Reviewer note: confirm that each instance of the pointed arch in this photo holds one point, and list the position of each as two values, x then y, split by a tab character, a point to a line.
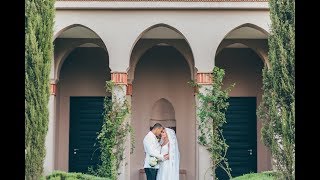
134	59
163	112
259	49
61	54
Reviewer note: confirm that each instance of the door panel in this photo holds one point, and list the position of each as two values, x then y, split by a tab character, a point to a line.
241	136
85	122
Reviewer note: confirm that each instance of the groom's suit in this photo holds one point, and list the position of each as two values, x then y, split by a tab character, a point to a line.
151	148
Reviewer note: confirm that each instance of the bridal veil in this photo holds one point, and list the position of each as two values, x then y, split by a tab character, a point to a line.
174	155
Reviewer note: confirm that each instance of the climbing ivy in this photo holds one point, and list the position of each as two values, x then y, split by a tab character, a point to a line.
114	132
211	117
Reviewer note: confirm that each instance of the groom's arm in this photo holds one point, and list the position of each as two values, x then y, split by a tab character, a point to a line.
151	149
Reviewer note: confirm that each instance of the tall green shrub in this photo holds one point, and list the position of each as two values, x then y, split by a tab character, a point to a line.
212	116
39	22
112	137
277	110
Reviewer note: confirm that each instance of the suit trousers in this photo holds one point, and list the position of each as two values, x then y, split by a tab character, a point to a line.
151	173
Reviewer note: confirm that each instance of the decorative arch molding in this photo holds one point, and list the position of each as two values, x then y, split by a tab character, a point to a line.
253	26
59	60
257	48
185	50
163	112
261	50
63	51
155	26
69	26
182	47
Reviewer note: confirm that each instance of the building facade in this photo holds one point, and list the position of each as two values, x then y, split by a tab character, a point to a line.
153	49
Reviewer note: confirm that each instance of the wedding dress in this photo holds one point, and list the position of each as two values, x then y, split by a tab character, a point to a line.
169	169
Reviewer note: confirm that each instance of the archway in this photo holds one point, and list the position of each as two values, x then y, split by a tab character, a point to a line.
81	68
161	66
242	54
163	112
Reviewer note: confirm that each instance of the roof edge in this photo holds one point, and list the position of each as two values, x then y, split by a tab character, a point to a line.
159	5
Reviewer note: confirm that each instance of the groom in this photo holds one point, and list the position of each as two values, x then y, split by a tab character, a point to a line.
152	149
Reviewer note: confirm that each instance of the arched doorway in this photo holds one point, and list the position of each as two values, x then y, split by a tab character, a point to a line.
242	55
161	67
82	68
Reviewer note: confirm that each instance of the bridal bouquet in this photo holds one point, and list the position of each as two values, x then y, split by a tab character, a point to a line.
153	161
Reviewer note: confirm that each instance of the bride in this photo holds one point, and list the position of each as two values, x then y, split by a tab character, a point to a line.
169	169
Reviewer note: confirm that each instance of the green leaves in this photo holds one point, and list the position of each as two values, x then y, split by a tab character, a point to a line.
211	118
113	134
277	110
39	17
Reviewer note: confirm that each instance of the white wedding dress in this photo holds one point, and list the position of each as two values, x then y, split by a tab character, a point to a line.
163	166
169	169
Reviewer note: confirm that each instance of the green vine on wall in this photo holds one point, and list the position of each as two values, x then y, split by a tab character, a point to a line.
113	135
211	117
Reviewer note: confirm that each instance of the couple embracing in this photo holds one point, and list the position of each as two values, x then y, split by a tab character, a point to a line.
162	158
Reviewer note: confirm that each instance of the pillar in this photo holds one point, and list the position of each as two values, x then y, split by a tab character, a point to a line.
50	137
203	156
122	91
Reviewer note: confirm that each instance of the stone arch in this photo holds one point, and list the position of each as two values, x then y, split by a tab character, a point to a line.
61	53
181	48
83	73
161	75
163	112
244	68
65	28
261	50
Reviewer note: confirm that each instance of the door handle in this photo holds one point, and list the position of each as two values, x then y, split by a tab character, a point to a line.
75	151
250	151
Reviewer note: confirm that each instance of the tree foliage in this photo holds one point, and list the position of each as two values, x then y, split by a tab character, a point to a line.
211	117
39	22
277	110
113	135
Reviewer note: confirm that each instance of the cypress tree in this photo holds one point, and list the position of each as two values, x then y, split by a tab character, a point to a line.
277	110
39	15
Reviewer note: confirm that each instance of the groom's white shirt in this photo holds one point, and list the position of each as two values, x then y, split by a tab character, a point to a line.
151	148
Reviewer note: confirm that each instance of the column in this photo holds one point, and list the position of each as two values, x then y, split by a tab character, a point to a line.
122	91
50	137
128	142
203	156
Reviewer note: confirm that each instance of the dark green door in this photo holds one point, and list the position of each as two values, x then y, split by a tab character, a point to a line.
85	122
240	133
